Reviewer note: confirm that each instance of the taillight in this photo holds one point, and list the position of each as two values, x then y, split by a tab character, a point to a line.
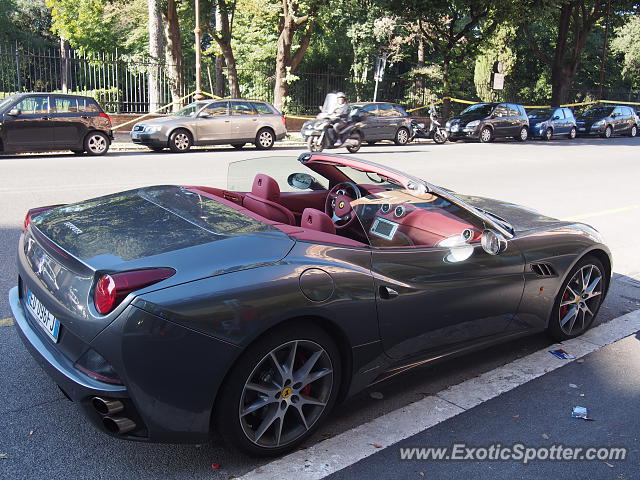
33	211
284	121
95	365
111	289
104	115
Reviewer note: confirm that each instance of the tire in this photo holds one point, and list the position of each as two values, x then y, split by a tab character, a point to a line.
608	132
78	152
264	139
439	137
634	131
354	148
312	145
156	149
256	369
96	144
237	146
570	320
371	143
572	133
548	134
486	135
180	141
402	136
523	135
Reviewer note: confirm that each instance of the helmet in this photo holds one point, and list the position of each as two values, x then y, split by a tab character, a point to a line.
340	95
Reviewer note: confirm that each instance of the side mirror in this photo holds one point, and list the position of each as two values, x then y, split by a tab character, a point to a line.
204	115
556	117
493	243
14	112
301	181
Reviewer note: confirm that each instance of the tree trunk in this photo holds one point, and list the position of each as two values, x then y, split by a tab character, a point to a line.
173	53
222	35
219	91
64	65
446	103
283	59
156	52
232	72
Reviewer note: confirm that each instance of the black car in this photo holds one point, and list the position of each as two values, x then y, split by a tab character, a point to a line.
167	312
488	121
31	122
608	121
384	121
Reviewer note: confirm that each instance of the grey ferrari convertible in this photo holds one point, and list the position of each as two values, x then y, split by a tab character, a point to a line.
170	312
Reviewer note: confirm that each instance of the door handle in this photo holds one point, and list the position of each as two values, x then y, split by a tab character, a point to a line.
45	118
85	116
387	292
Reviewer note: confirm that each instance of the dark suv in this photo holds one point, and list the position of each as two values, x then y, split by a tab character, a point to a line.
32	122
487	121
608	121
385	121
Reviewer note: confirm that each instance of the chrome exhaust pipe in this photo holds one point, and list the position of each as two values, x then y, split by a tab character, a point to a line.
120	425
107	407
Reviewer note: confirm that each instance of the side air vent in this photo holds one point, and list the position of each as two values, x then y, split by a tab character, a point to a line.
543	270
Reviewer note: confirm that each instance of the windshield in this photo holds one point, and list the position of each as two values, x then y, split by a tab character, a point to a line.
480	109
6	101
541	113
330	103
190	110
598	112
240	174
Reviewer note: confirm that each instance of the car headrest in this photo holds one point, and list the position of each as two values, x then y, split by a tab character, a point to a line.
316	220
265	187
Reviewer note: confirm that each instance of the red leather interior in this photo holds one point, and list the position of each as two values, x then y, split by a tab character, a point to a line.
316	220
265	192
298	201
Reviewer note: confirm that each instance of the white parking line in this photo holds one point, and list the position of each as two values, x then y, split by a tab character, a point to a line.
331	455
6	322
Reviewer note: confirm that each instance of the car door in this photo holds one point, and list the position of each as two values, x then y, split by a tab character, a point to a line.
433	289
502	121
619	120
69	128
371	128
244	120
387	121
570	120
215	125
559	122
32	127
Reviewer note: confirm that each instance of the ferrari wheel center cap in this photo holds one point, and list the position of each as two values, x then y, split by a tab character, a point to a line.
286	392
341	205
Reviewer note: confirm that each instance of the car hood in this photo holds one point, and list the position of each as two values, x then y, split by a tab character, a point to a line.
464	119
521	218
588	121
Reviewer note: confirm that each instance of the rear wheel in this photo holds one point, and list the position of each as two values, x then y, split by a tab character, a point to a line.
548	134
264	139
180	141
279	391
572	133
634	131
402	136
313	144
237	146
96	143
523	134
354	142
578	300
486	135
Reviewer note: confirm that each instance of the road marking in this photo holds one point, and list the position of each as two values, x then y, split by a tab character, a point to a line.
6	322
336	453
603	212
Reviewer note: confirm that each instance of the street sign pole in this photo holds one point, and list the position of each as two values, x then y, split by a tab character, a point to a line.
378	73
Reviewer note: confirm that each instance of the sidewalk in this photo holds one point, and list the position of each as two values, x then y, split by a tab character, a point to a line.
122	143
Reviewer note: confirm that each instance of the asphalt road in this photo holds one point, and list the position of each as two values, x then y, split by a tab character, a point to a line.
44	436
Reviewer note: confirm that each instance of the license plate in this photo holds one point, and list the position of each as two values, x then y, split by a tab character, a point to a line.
47	321
582	129
135	135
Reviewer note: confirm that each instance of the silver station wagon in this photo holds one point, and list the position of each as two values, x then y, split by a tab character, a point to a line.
213	122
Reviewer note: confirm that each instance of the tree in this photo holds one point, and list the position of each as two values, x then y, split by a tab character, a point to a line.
173	42
625	43
222	33
454	29
156	53
297	17
572	21
497	49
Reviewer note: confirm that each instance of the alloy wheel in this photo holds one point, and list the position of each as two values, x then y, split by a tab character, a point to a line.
548	135
181	141
634	131
607	132
265	139
286	393
97	144
580	300
485	135
402	137
572	133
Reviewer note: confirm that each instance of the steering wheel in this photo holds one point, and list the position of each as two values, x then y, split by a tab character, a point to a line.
338	203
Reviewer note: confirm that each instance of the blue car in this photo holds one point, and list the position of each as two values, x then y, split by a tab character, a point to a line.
547	123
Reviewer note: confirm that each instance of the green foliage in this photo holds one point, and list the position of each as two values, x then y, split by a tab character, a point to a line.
626	44
497	49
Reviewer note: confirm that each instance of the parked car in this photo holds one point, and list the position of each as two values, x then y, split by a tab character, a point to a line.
31	122
488	121
213	122
384	121
167	312
547	123
608	121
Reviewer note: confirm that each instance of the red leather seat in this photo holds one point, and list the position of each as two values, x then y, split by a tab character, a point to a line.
265	192
316	220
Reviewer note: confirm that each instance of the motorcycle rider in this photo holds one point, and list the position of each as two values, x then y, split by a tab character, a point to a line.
338	116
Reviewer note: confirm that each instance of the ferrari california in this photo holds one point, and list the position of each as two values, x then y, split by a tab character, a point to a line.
170	312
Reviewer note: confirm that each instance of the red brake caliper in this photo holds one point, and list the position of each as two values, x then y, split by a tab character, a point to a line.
564	308
301	358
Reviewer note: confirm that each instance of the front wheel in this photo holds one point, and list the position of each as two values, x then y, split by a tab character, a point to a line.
607	132
313	144
486	135
264	139
180	141
634	131
96	143
402	136
548	134
354	142
578	300
523	135
439	136
572	133
279	391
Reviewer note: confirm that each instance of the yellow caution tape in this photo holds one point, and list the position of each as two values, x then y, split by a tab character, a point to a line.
619	103
298	117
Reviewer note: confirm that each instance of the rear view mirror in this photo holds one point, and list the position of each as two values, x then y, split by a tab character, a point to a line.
556	117
204	115
301	181
14	112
